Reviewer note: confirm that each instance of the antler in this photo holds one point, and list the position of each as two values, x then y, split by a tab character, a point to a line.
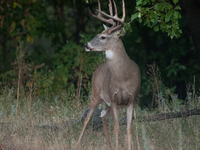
113	20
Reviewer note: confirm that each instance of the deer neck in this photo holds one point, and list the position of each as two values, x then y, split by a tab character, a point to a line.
117	59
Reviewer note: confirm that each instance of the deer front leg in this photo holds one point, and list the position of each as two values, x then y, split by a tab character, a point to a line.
116	123
130	110
93	106
105	115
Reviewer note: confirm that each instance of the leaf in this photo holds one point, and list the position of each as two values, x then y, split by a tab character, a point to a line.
127	27
140	20
155	23
159	6
175	1
134	16
171	36
177	8
177	15
156	6
168	16
16	4
156	28
22	22
168	6
29	39
139	2
144	2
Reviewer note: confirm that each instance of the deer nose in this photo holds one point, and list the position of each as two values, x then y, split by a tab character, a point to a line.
87	49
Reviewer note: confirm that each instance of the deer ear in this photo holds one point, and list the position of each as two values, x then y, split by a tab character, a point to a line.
105	27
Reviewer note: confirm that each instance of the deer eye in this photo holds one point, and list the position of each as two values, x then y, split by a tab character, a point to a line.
103	37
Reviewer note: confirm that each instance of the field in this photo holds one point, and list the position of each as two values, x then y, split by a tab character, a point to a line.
46	73
49	126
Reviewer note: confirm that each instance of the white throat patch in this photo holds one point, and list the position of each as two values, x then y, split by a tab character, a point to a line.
109	54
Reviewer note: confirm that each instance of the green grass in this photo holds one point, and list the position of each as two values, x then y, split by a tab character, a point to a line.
47	126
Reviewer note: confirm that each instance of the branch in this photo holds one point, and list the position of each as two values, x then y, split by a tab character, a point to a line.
163	116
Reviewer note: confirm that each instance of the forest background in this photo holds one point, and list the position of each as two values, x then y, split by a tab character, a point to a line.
41	47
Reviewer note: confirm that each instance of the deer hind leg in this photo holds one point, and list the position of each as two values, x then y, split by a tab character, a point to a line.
105	115
93	106
130	110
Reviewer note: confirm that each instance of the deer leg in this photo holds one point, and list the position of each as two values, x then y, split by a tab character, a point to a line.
93	107
105	125
130	110
116	124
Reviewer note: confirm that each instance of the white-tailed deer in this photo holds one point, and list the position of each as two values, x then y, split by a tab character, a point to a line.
116	82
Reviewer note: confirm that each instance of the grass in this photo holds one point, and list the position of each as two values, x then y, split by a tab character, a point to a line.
47	126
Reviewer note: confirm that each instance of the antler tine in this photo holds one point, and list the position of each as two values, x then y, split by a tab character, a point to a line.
115	8
115	17
109	21
114	28
124	12
111	17
99	6
110	8
101	18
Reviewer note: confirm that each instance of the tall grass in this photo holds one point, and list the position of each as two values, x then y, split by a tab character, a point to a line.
50	127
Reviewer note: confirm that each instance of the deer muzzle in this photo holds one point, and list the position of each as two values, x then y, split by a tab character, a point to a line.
87	48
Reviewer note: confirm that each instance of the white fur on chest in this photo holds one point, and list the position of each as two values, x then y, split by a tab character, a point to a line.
109	54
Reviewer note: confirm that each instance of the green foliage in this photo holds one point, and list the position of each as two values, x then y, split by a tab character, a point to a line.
161	95
161	15
174	67
70	64
23	25
65	62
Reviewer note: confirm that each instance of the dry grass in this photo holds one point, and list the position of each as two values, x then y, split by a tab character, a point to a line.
47	126
48	130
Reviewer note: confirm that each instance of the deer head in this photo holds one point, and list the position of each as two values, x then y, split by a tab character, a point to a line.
103	42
